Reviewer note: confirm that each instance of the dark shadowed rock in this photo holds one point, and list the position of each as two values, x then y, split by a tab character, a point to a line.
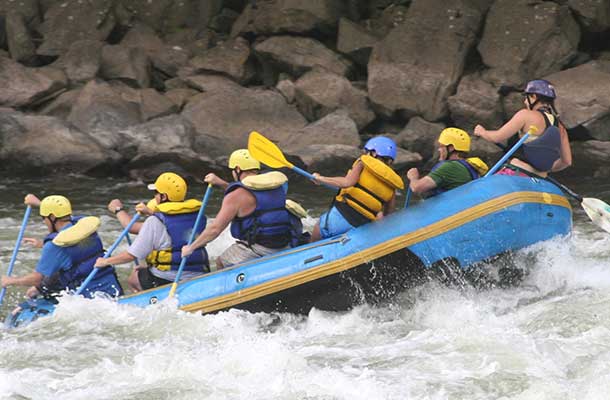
355	41
102	112
420	136
489	152
155	105
407	74
590	158
297	55
233	112
42	144
476	102
224	21
71	20
231	58
289	16
210	83
19	39
524	40
82	60
62	105
195	41
594	15
29	9
511	103
180	96
335	128
130	64
144	37
152	13
319	93
583	97
329	160
23	86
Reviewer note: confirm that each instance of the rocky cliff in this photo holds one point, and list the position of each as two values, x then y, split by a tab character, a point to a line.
138	86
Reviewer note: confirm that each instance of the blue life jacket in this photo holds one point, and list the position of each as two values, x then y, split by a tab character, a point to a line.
542	152
269	224
474	174
179	228
82	256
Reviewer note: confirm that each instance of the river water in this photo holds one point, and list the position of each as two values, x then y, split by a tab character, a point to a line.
548	338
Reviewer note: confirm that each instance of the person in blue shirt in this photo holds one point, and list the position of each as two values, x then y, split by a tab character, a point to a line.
64	265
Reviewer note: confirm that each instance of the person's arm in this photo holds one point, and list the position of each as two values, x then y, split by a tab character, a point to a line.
228	211
121	258
507	130
389	206
31	279
349	180
32	200
419	185
123	216
565	159
216	181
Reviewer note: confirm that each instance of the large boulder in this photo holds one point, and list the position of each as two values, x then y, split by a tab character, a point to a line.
523	39
355	42
406	159
61	107
129	64
72	20
102	112
476	102
29	9
269	17
180	96
420	136
333	159
230	114
335	128
231	58
319	93
584	97
81	61
210	83
20	43
297	55
23	86
593	15
154	105
41	145
407	74
590	158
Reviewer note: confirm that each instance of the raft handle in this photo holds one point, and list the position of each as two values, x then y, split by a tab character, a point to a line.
315	258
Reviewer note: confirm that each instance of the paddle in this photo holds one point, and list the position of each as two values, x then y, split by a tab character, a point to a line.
408	199
204	203
108	253
9	270
267	152
506	156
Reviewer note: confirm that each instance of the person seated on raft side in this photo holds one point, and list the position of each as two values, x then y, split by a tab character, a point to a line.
255	206
543	152
453	168
68	253
161	237
367	191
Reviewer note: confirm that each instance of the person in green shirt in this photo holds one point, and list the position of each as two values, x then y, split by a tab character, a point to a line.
453	168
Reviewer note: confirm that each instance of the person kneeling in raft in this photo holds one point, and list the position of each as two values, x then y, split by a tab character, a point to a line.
161	237
367	191
68	253
255	206
453	168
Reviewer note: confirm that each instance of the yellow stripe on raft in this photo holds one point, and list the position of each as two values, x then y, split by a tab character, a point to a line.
380	250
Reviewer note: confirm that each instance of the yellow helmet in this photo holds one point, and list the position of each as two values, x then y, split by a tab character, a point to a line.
243	159
171	185
59	206
456	137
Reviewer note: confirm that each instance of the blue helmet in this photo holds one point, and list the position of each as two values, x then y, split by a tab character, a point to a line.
383	146
540	87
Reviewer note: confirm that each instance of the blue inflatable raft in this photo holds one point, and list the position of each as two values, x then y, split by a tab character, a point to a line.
468	225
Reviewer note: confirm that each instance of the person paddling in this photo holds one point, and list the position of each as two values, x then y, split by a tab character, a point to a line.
68	253
454	168
255	206
367	191
161	237
544	152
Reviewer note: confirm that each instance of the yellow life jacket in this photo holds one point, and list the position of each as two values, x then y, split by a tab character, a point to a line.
165	259
375	187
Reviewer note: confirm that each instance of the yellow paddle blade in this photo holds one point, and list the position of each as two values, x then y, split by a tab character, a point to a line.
265	151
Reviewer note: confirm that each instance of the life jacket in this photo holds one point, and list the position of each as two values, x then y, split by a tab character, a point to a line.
475	172
270	223
82	257
375	187
542	150
179	217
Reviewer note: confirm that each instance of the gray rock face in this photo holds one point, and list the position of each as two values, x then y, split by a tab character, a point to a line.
210	83
335	128
524	40
318	93
355	41
71	20
287	89
180	96
232	113
29	9
590	158
102	112
407	74
35	142
584	97
330	160
406	159
173	134
155	105
23	86
289	16
19	39
476	102
82	60
594	15
130	64
420	136
62	105
297	55
231	58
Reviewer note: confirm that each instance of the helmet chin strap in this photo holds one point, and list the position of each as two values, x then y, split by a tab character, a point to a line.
529	103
